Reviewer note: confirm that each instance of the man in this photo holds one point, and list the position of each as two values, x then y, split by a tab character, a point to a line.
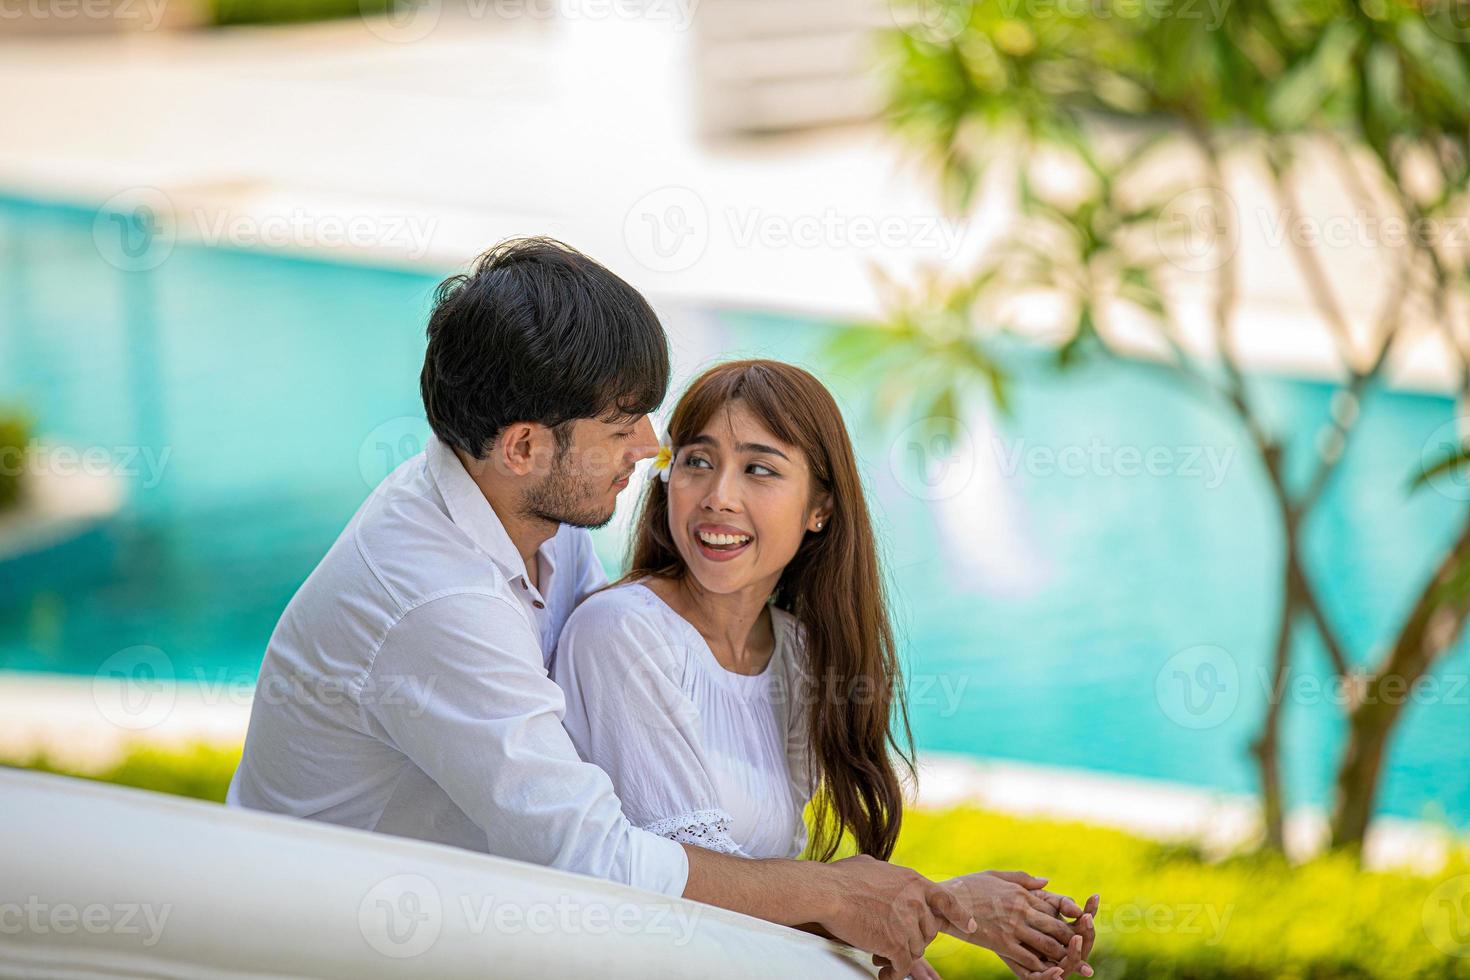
405	689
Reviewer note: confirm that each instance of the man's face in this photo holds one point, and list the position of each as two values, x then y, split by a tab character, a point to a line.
583	483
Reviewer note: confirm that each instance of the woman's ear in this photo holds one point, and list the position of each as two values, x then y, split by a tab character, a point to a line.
820	515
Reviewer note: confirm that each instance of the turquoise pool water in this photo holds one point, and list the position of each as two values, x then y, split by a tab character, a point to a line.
1055	605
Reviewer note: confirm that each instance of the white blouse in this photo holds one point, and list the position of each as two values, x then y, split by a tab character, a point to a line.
696	753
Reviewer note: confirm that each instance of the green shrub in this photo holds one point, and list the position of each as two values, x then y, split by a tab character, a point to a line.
226	12
1167	914
15	435
200	771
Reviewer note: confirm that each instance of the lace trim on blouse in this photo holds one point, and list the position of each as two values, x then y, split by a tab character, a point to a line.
709	829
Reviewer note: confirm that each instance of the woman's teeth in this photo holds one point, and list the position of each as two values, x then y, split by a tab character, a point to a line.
723	540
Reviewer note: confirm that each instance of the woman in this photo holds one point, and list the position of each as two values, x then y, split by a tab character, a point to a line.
745	666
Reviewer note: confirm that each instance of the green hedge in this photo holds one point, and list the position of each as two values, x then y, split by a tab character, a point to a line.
199	771
227	12
1167	913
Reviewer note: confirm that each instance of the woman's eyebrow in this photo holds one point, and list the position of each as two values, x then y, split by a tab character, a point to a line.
760	447
743	447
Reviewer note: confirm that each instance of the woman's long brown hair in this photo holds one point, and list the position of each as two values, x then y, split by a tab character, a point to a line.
833	586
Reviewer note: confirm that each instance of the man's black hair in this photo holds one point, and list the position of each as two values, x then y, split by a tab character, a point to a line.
538	332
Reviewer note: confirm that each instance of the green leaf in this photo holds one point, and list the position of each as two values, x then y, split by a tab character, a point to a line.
1304	91
1138	288
945	408
1454	591
1083	335
1457	457
1439	67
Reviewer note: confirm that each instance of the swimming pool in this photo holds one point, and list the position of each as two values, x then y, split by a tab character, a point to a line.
1051	584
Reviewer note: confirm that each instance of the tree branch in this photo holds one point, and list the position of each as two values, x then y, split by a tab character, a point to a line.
1306	258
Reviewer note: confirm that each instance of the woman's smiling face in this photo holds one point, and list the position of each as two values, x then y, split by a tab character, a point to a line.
739	502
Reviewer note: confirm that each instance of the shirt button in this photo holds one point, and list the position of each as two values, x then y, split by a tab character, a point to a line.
538	603
524	586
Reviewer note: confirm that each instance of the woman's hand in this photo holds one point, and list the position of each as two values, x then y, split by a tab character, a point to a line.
1079	948
1022	923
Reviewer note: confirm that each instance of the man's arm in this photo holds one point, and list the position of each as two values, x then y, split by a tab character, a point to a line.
885	909
891	911
458	687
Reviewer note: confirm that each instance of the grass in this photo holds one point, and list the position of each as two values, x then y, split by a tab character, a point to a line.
1167	913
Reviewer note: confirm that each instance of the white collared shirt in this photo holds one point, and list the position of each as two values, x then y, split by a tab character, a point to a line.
405	689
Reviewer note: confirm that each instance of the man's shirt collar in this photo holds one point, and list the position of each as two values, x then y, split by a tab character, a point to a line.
472	513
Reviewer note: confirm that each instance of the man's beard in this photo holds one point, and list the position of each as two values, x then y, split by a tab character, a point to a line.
561	499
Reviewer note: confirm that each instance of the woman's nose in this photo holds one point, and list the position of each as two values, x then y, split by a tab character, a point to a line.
722	493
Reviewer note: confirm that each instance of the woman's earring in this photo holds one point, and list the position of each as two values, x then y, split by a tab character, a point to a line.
819	525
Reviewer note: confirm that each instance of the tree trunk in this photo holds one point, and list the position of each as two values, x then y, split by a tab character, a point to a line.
1431	629
1267	745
